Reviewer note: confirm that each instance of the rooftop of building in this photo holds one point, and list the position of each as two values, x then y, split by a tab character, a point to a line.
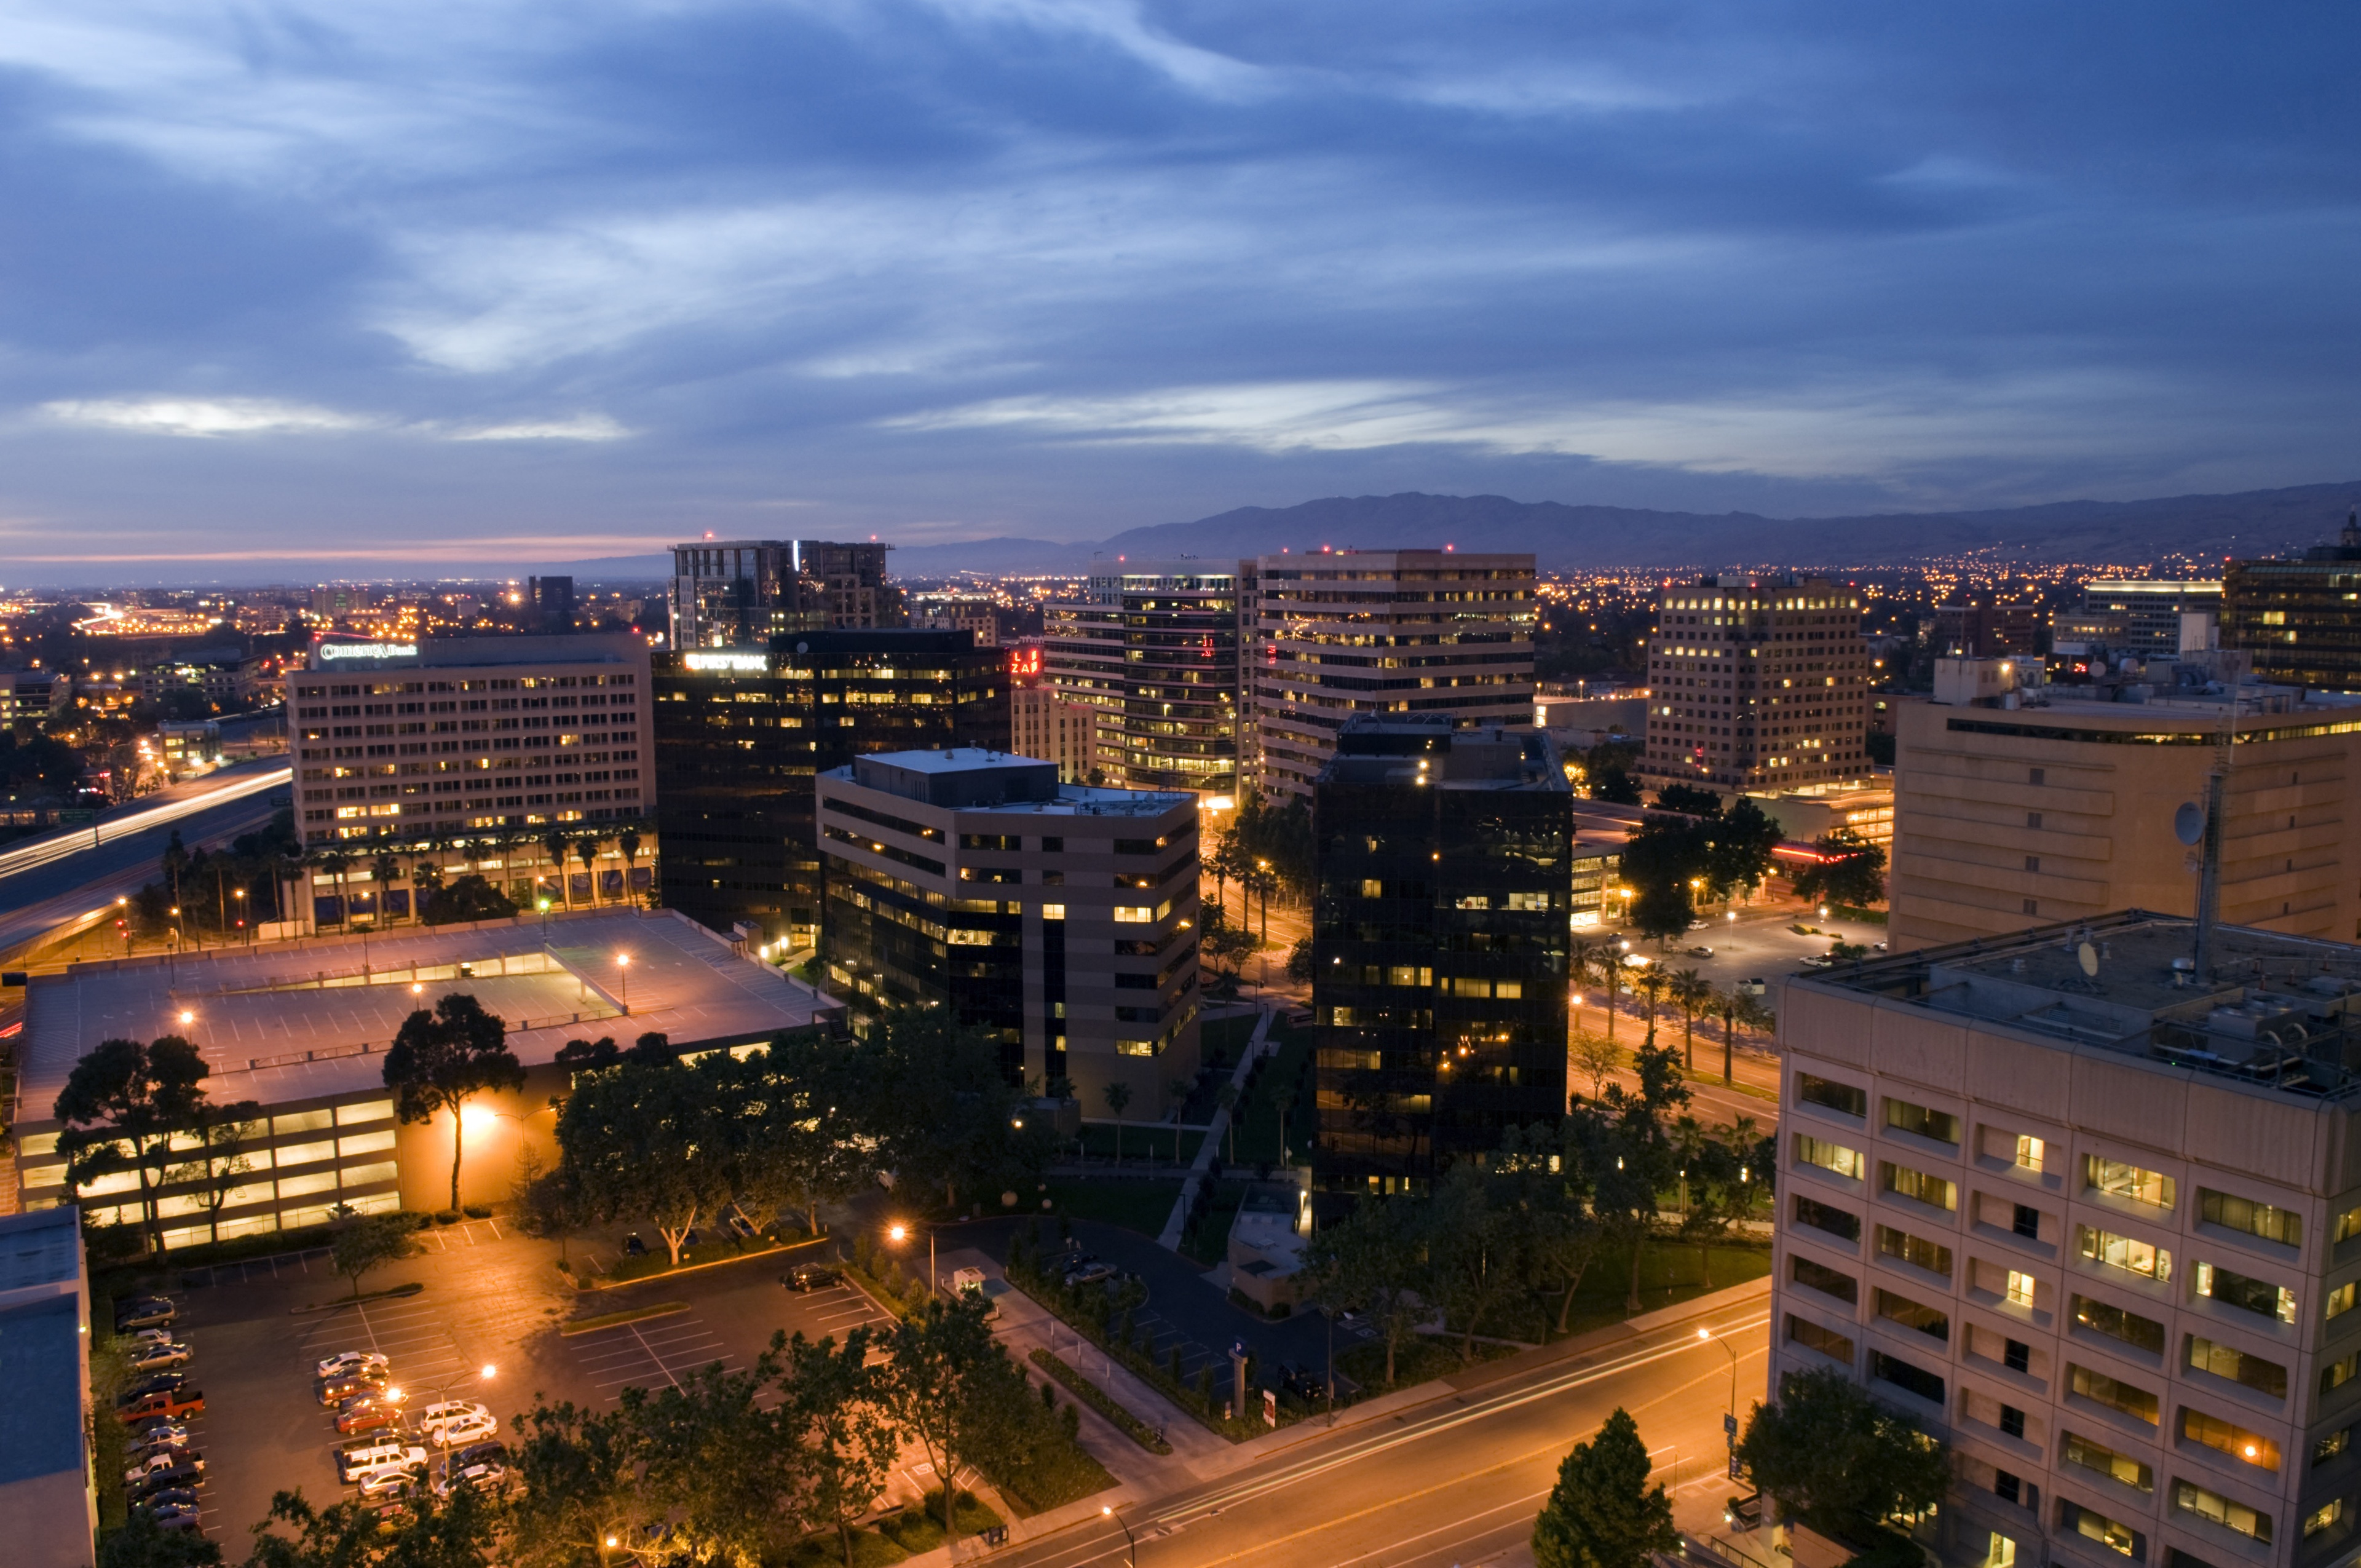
40	1251
975	778
311	1020
1414	751
2278	1014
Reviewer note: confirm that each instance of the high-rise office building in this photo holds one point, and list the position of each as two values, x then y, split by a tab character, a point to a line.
1341	633
1983	625
552	603
2301	618
1757	683
1043	723
2015	803
744	592
1444	862
1058	917
2086	1213
1153	645
453	736
2139	618
740	732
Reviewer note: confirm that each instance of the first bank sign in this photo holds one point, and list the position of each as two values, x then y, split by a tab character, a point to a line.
729	664
332	651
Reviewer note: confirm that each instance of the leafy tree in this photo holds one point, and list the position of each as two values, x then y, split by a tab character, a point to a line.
1625	1147
1226	946
1602	1513
121	1105
1299	961
1370	1261
220	1133
1614	786
440	1061
650	1139
371	1240
1851	871
1594	1056
470	897
833	1413
1741	852
1549	1194
142	1543
589	1056
1688	800
1662	911
818	1088
1474	1256
711	1454
1830	1455
944	1372
459	1531
582	1488
942	1106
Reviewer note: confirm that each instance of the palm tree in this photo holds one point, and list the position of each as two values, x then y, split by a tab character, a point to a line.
1607	963
385	868
1737	1007
628	843
1579	966
553	843
1117	1095
1177	1089
586	850
1692	995
335	862
1652	983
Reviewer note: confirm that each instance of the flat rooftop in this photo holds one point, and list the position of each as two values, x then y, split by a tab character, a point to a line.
2278	1013
313	1019
41	1249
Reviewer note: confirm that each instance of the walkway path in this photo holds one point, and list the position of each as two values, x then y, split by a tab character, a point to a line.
1203	1164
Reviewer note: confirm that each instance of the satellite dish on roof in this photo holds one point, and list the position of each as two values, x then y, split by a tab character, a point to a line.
2189	822
2088	956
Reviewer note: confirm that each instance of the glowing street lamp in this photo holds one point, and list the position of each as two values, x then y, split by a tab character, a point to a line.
623	966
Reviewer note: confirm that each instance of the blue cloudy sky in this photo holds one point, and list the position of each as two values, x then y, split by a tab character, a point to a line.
367	283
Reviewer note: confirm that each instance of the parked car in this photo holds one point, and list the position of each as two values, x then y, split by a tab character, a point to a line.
1820	961
172	1497
173	1404
165	1459
736	1225
155	1440
1758	986
143	1312
633	1246
147	1336
378	1453
809	1277
490	1475
1090	1273
1301	1383
345	1384
481	1453
351	1361
440	1415
368	1412
177	1518
161	1357
464	1429
154	1383
391	1481
156	1481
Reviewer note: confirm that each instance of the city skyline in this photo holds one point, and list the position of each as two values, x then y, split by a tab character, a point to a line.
357	287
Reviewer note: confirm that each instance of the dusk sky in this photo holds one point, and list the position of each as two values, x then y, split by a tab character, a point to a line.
367	285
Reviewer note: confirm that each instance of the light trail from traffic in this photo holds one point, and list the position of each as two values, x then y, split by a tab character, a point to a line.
57	847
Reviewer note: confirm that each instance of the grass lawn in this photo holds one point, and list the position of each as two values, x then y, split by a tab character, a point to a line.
1143	1143
1128	1201
1209	1243
1226	1037
1418	1358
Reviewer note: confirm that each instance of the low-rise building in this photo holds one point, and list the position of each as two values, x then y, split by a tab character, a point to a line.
1058	917
2093	1216
1044	722
45	1493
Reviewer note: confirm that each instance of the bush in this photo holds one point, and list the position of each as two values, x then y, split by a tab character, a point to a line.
446	1216
477	1212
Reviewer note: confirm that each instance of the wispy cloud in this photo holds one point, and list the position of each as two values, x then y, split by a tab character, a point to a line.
220	416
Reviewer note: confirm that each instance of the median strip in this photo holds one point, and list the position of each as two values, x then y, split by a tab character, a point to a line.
616	1319
1099	1399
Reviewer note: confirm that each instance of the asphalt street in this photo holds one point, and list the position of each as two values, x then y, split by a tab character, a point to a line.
1457	1479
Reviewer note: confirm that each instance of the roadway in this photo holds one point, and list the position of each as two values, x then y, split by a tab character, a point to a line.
63	880
1459	1478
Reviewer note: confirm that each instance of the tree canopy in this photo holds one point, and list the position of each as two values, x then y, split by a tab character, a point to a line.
440	1060
1602	1513
1829	1454
121	1105
1851	871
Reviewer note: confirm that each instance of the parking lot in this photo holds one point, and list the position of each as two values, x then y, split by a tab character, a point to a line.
486	1300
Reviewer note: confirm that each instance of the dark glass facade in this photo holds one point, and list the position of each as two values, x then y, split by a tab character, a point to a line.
1155	647
1439	947
738	734
890	931
2301	620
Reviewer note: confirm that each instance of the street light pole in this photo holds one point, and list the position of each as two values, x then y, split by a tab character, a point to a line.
1131	1541
623	963
1729	1432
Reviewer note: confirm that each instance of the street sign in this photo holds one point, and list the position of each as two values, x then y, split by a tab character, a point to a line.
1730	1427
1735	1469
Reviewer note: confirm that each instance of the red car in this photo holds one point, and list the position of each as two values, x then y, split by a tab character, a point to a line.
366	1412
173	1404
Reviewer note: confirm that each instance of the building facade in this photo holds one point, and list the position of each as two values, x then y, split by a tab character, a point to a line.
1061	917
1985	626
2301	620
1341	633
46	1492
395	742
2138	617
2061	806
1154	647
744	592
742	732
2091	1218
1440	931
1042	722
1756	685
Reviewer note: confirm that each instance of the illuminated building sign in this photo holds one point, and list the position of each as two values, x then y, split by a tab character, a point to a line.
369	651
1024	662
740	664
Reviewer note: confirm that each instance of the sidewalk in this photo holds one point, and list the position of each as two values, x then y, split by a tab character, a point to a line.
1169	1240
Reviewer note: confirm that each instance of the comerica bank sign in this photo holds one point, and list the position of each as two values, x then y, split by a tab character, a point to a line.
329	651
740	663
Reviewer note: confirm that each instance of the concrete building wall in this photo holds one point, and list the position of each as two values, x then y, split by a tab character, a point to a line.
2004	818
